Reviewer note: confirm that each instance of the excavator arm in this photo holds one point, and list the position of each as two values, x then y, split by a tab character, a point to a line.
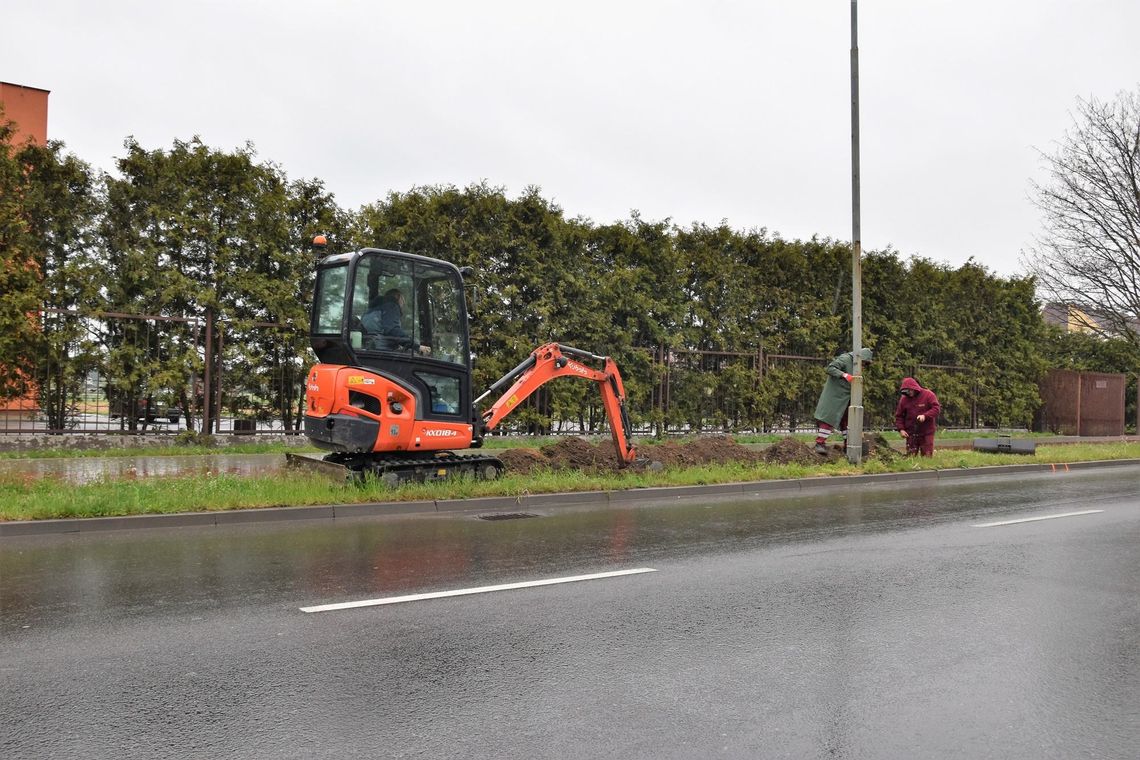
556	360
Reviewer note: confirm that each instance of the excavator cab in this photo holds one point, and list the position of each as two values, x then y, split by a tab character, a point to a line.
399	315
390	331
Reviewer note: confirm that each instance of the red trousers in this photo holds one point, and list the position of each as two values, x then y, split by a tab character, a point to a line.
920	444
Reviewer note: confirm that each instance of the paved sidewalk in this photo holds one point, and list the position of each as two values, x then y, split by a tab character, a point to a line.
941	442
1051	440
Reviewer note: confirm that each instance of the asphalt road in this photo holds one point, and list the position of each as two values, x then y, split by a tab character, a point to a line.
882	623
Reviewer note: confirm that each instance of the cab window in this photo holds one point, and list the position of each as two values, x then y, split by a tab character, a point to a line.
328	318
403	306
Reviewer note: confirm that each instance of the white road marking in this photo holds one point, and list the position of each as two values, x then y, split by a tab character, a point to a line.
477	590
1035	519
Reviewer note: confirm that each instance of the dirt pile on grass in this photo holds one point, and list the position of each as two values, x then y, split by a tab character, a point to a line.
794	451
718	449
881	448
875	447
522	460
579	454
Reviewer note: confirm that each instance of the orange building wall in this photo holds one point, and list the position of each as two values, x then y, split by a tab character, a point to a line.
28	107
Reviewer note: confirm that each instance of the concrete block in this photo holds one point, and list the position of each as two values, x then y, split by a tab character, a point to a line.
1006	445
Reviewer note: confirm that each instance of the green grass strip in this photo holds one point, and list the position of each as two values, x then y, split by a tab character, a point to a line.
491	442
39	499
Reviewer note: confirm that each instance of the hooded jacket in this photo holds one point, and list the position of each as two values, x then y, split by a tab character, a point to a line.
836	394
909	407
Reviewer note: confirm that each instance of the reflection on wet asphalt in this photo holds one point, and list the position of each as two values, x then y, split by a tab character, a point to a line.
92	575
869	623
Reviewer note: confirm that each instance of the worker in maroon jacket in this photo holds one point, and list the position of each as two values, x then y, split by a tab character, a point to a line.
916	417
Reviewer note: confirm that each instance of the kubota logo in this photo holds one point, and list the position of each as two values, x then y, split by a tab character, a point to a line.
440	433
575	367
314	388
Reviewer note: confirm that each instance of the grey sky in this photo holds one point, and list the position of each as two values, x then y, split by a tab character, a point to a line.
695	111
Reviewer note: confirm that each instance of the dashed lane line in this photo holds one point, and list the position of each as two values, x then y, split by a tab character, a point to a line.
476	590
1035	519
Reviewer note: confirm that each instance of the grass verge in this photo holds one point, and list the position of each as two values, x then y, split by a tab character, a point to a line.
26	499
491	442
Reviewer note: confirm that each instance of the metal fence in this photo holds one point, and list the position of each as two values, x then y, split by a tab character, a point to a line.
678	392
763	392
134	374
137	373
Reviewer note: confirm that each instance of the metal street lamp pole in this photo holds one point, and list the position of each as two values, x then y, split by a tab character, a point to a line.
855	411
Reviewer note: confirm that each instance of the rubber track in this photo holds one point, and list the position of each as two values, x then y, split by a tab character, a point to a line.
425	469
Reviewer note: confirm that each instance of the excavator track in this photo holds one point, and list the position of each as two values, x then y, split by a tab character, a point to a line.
394	470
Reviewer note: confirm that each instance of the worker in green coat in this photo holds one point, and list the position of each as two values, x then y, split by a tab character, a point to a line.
831	409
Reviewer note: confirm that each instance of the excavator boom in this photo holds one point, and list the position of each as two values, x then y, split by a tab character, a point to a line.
553	360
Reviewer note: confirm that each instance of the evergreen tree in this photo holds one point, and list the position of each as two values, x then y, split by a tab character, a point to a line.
48	205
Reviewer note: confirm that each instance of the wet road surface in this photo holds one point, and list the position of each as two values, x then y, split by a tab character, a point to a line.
876	624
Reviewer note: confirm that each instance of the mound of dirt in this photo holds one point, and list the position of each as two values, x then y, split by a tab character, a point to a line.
794	451
522	461
881	448
579	454
574	453
716	449
876	447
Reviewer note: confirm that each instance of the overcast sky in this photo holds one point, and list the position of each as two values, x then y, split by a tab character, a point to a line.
693	111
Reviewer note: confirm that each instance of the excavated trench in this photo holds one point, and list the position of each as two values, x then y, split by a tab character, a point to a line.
580	454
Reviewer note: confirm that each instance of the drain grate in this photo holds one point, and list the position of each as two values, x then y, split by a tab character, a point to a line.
507	516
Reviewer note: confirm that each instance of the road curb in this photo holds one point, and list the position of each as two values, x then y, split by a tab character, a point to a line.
493	504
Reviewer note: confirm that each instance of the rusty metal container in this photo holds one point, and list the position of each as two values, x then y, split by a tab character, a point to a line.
1082	403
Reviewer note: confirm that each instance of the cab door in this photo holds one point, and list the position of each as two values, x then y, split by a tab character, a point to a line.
435	364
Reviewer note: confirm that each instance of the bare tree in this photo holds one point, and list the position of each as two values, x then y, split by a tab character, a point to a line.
1088	255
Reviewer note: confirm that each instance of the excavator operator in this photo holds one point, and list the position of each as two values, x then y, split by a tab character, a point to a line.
384	321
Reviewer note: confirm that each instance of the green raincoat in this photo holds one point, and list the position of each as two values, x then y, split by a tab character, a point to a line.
836	394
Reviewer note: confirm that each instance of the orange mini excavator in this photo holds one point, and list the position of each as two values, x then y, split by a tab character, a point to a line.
391	396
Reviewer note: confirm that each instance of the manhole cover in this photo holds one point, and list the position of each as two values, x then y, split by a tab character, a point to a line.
507	516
